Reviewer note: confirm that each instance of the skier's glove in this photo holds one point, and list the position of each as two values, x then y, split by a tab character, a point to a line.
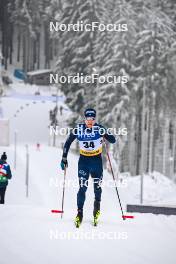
64	163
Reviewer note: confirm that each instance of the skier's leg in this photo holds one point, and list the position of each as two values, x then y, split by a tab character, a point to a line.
83	175
2	195
97	179
97	175
97	191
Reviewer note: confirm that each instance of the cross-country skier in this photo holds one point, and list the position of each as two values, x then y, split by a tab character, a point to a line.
90	136
5	174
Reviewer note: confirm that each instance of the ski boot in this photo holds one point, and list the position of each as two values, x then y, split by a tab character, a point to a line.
96	212
78	219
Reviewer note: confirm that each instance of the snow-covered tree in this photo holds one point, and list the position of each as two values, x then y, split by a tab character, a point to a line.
77	51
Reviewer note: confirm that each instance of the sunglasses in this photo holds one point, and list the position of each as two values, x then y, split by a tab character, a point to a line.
90	118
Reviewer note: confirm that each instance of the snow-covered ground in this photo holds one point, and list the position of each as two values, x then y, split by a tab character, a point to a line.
31	233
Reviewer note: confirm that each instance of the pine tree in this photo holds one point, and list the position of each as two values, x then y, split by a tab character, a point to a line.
152	48
77	52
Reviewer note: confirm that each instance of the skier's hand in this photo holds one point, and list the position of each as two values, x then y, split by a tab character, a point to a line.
64	163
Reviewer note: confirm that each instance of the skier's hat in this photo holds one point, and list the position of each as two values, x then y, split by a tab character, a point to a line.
4	156
90	112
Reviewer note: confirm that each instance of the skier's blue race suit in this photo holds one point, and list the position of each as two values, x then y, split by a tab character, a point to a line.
5	174
90	161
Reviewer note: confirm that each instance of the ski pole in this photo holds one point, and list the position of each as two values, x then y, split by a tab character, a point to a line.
63	193
112	172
